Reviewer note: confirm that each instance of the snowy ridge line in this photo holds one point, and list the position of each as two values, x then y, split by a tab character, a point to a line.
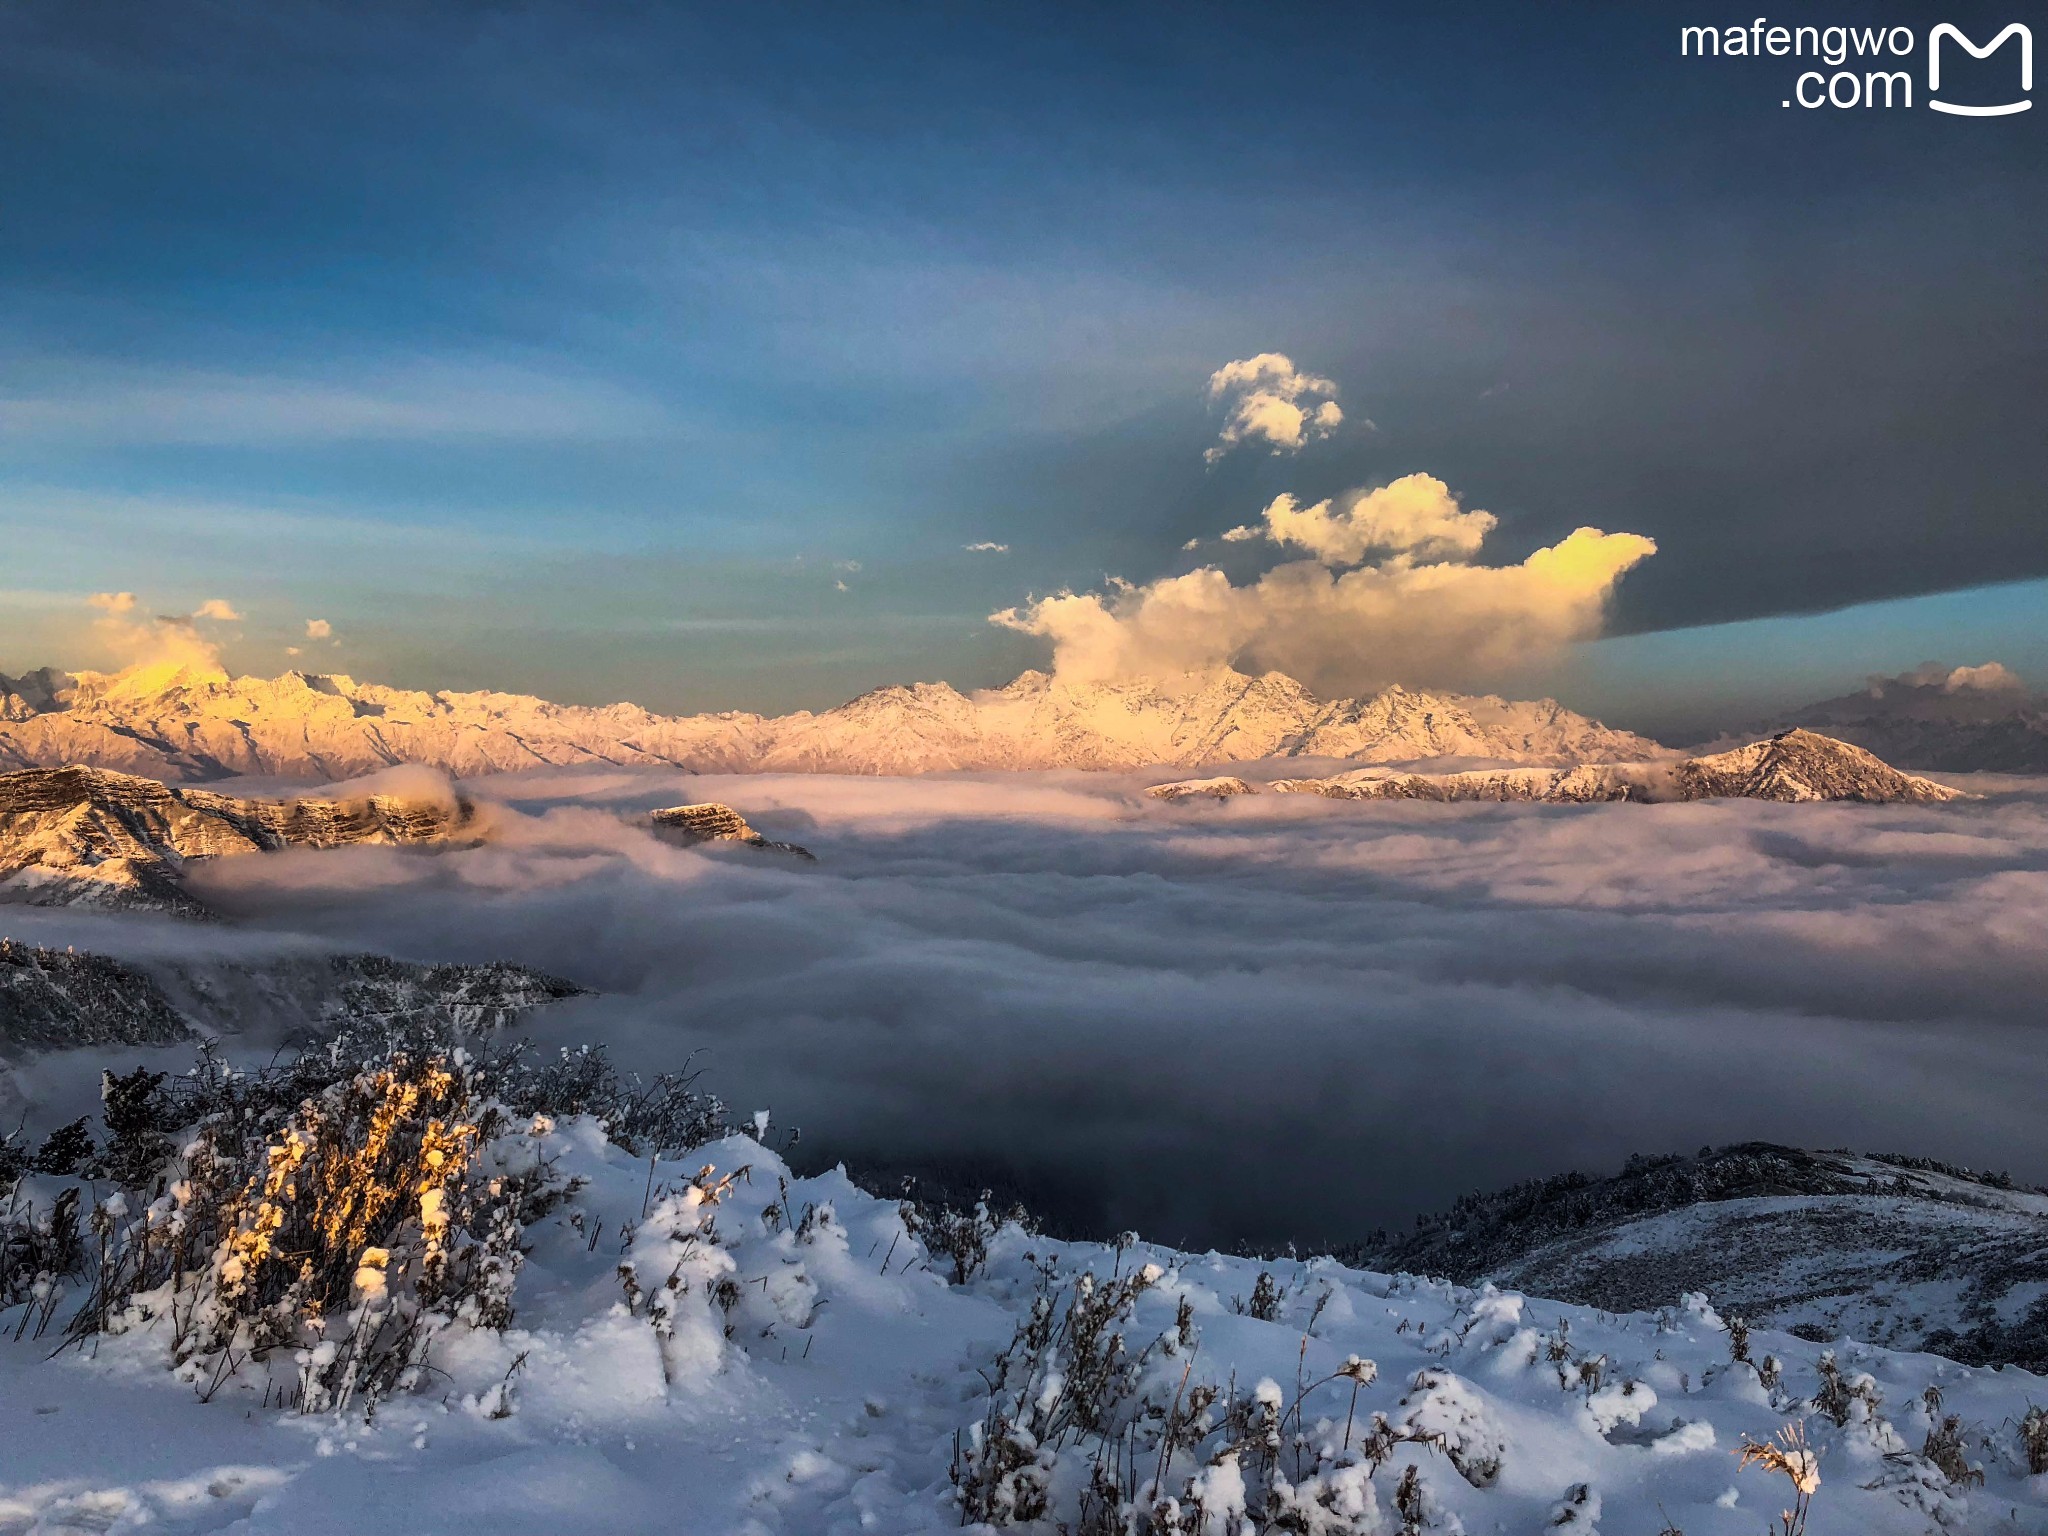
814	1369
1794	766
194	724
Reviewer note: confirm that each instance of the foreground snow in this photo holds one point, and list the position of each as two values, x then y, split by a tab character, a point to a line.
851	1366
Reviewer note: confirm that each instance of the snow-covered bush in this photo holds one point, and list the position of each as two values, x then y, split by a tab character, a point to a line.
317	1223
1841	1397
960	1237
1103	1439
2034	1438
1946	1449
343	1239
190	1158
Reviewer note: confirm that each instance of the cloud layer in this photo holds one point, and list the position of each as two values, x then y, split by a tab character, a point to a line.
1262	1019
1420	613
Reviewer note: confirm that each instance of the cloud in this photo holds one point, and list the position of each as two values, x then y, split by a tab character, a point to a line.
1271	401
1423	614
147	649
1416	515
986	547
396	399
1991	677
217	608
318	629
1047	981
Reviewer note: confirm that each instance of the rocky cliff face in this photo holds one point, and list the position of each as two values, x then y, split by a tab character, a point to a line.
88	837
711	822
1791	767
192	725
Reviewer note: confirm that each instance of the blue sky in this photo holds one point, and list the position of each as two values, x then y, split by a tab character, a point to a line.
668	354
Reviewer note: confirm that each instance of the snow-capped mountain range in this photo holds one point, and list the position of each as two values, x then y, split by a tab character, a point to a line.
1792	767
192	724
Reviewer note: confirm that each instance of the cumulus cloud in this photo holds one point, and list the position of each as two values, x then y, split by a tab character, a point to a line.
1050	983
148	648
1272	401
986	547
1416	515
218	608
318	629
1991	677
1421	614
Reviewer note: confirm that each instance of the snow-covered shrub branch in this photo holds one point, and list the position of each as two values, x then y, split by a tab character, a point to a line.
1101	1438
320	1221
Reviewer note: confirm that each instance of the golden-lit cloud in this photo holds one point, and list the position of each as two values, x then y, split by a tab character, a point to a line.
318	629
217	608
1416	515
1273	402
1421	613
149	648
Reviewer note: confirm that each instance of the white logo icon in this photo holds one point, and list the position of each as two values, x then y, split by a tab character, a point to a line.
1947	29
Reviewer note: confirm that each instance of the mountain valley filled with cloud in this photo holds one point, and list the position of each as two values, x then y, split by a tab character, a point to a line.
1064	772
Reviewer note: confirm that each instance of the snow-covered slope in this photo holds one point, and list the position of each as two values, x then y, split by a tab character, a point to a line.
784	1356
192	724
52	999
1794	766
1905	1253
87	837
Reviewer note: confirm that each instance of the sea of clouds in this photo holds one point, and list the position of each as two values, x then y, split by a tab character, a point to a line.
1249	1021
